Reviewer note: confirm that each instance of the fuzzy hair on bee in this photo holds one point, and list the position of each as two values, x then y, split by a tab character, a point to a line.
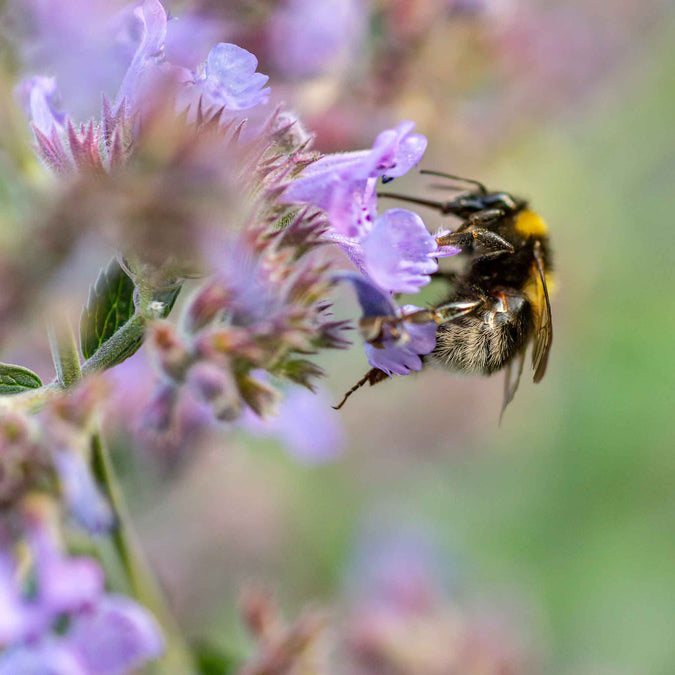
498	302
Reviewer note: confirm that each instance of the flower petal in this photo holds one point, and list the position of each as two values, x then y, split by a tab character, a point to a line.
447	250
84	501
399	358
152	17
397	150
230	79
36	95
47	657
397	252
373	300
118	637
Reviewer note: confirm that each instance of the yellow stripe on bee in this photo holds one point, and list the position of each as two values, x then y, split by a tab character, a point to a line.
530	224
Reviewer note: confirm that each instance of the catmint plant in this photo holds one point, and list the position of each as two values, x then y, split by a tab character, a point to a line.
224	222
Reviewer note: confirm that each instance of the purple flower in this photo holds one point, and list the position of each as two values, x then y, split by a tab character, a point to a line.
397	569
228	79
114	637
14	615
309	38
398	149
343	184
86	45
133	45
394	344
117	636
37	97
64	584
399	252
103	635
189	38
398	357
80	493
47	657
305	424
373	300
152	19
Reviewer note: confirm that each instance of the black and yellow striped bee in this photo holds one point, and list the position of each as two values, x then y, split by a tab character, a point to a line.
499	300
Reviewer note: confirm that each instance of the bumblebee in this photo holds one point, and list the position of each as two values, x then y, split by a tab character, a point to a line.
499	300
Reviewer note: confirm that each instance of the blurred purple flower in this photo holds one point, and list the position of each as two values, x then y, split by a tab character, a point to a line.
87	45
136	46
189	38
15	617
37	97
305	424
47	657
309	38
398	570
151	18
80	493
64	584
117	636
104	634
140	409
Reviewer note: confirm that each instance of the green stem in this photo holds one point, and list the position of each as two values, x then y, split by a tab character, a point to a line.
64	352
177	659
121	345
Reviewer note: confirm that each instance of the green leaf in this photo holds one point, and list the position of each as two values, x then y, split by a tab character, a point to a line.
109	306
15	379
211	660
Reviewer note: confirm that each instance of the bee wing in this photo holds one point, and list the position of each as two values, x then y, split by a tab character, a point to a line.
514	370
543	328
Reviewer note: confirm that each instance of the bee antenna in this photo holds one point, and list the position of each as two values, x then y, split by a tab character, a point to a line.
478	184
415	200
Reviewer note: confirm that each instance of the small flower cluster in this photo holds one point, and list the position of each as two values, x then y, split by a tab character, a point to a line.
182	172
394	253
401	621
264	311
50	453
54	610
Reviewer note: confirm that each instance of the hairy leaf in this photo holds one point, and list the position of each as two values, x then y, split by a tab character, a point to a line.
109	306
15	379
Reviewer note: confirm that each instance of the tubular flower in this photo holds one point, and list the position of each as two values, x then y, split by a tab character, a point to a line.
343	185
396	337
103	633
265	309
226	81
395	252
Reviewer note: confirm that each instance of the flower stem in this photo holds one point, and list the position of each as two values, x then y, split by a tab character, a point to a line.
177	659
64	352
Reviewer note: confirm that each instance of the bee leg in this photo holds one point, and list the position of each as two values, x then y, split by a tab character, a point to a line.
477	236
373	376
454	310
481	219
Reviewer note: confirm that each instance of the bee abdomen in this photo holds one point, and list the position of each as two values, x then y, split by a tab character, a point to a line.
482	344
